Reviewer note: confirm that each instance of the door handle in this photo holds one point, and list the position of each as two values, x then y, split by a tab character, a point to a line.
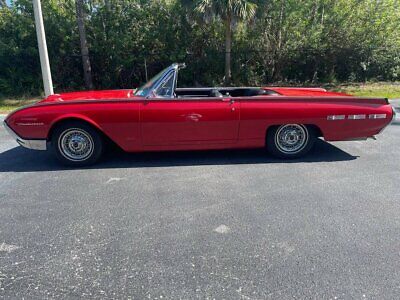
192	117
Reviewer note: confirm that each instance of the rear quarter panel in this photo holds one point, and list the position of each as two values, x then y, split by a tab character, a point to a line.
257	115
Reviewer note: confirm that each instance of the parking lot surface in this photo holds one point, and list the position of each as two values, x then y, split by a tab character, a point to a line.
216	224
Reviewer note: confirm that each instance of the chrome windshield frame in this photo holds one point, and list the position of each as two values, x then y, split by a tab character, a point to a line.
166	73
165	78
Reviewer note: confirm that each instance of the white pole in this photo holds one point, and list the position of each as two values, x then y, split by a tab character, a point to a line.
44	57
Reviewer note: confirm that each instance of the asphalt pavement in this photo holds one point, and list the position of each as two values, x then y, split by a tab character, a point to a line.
203	225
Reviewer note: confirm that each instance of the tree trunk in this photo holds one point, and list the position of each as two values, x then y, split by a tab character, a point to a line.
279	46
228	49
87	70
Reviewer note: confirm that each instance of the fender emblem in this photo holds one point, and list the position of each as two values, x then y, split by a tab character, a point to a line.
30	124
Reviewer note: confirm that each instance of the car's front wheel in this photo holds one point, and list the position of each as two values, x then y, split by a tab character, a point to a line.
290	140
77	144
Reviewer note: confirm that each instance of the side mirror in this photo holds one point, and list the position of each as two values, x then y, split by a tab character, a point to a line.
182	66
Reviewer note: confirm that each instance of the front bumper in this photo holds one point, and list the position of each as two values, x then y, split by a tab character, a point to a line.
35	144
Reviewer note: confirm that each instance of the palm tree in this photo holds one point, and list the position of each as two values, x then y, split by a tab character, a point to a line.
228	11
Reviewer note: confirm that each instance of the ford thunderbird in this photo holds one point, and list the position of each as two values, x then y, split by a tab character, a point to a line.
159	116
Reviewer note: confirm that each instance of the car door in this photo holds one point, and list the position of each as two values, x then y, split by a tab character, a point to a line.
180	121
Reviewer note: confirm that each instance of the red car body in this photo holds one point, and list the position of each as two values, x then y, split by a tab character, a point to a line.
137	123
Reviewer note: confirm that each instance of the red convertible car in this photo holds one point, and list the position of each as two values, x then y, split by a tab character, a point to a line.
159	116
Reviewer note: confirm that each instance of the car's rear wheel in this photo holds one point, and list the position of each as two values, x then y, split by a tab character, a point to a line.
290	140
77	144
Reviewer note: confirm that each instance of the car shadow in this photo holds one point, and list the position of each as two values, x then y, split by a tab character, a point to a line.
22	160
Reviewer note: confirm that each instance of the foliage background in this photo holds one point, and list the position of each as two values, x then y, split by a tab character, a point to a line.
289	42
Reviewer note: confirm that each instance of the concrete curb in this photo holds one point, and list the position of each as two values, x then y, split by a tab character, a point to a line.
395	103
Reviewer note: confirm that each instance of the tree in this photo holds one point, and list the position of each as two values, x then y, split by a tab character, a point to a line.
87	70
3	3
229	11
289	42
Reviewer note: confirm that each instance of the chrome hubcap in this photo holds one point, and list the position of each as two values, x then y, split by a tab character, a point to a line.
75	144
291	138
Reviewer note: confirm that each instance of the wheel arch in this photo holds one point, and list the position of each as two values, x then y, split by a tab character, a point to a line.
71	118
316	128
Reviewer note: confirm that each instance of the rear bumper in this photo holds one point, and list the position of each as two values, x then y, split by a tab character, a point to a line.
391	121
35	144
394	114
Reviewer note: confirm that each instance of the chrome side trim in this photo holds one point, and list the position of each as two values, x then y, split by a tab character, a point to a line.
29	144
377	116
335	117
357	117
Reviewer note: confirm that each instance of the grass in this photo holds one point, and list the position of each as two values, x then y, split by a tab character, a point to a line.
9	104
389	90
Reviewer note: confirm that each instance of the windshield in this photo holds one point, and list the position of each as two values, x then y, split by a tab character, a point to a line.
148	86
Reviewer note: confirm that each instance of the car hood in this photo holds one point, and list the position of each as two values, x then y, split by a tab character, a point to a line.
90	95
